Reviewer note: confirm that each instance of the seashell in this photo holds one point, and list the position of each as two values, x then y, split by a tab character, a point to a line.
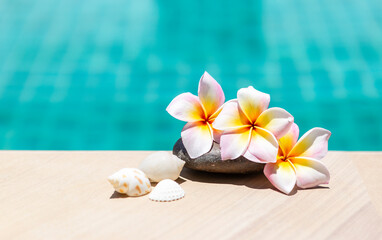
130	181
166	191
161	165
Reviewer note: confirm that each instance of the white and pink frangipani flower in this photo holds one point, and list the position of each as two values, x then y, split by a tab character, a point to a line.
249	128
200	112
298	161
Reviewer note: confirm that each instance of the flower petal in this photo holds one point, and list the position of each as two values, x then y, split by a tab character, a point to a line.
186	107
231	117
289	140
281	175
197	138
235	143
210	93
310	172
276	120
263	145
217	135
252	102
248	155
313	143
216	113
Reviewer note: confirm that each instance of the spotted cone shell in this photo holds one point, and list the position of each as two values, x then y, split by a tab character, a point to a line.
130	181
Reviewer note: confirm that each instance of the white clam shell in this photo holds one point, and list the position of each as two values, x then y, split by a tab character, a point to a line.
166	191
161	165
130	181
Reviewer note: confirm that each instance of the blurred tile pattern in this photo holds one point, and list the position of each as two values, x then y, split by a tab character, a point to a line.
99	74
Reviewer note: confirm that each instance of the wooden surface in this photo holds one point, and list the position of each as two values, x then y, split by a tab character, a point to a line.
65	195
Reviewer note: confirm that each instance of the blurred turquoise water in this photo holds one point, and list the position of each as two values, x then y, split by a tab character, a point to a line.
99	75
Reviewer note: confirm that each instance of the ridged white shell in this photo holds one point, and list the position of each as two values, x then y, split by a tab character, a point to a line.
166	191
130	181
161	165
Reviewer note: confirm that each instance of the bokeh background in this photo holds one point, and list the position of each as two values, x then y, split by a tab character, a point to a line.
97	74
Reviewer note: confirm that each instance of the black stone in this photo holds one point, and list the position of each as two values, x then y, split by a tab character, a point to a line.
212	162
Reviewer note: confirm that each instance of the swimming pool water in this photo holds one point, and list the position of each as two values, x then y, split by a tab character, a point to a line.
99	75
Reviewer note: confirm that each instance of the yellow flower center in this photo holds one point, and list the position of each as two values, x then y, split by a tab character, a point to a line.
210	120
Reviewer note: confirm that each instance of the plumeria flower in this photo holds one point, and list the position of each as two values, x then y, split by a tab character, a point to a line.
249	128
200	112
298	161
